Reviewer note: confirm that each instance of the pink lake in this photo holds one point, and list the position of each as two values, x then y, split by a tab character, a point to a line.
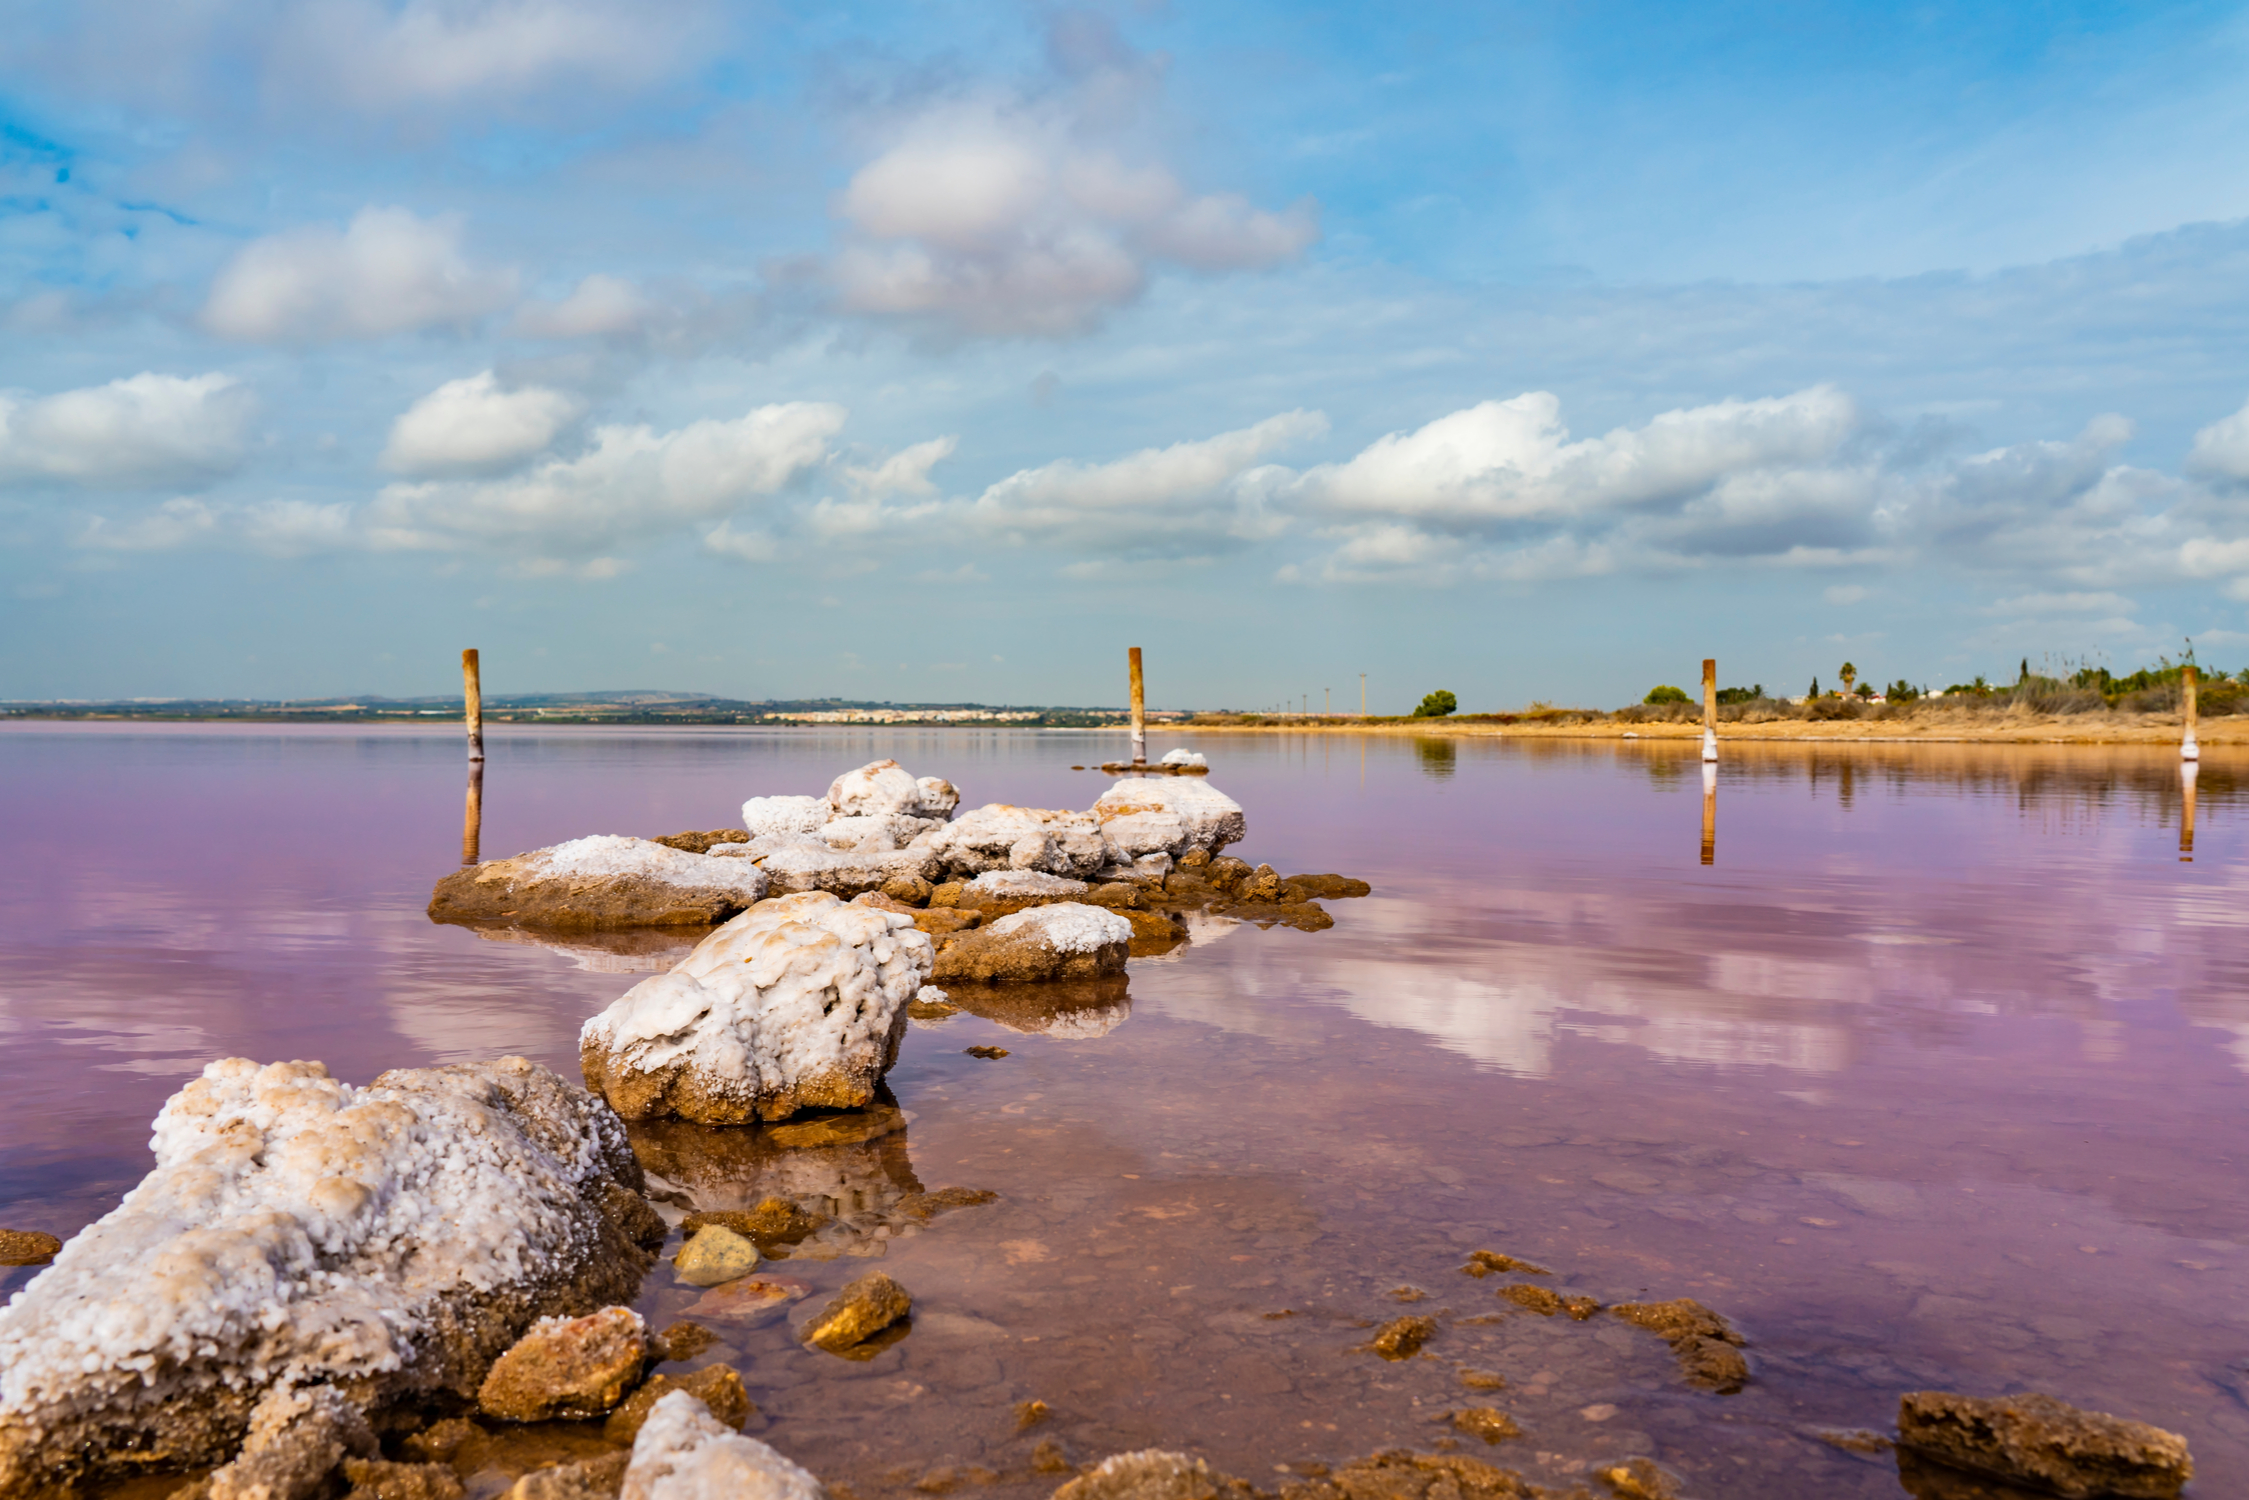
1932	1078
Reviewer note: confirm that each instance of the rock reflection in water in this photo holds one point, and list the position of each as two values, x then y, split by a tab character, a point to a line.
1079	1010
623	950
849	1170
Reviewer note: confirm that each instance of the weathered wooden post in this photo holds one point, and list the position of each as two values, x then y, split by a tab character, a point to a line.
1362	695
1710	812
1710	708
472	819
2188	771
1139	713
472	692
2188	749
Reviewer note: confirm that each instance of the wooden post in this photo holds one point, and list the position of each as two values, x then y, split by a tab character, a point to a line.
1139	713
1710	812
472	819
2188	770
1362	695
1710	708
472	690
2188	749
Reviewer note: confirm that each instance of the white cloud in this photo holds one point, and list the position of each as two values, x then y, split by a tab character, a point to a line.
1003	218
1845	593
905	472
472	425
371	56
146	429
2077	603
283	528
388	272
174	524
598	305
631	482
2222	448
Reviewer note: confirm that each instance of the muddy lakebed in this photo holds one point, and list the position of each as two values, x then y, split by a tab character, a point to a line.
1930	1078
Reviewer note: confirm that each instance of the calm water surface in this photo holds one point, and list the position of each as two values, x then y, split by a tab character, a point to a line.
1932	1077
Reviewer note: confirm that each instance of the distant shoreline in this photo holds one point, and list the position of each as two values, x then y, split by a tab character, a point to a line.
2021	729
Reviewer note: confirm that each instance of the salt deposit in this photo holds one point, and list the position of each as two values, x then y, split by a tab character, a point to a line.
1024	884
1208	818
800	864
601	881
798	1003
877	788
763	815
684	1453
999	836
1066	940
1182	758
296	1231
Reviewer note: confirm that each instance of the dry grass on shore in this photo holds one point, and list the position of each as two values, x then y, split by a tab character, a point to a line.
1934	722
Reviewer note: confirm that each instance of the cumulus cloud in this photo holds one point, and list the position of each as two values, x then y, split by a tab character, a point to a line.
144	430
1007	216
631	482
282	528
388	272
473	426
2222	448
597	305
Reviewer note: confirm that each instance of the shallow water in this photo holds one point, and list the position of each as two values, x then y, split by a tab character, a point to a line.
1932	1077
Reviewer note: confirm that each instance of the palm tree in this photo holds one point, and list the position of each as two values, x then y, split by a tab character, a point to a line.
1849	674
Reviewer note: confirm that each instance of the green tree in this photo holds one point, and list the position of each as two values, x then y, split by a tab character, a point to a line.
1849	674
1902	691
1815	688
1436	705
1666	693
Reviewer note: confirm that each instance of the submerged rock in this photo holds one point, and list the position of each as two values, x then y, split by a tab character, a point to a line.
718	1387
296	1231
1402	1338
27	1247
571	1368
772	1223
1547	1303
684	1453
588	1479
1068	940
1417	1476
798	1003
1706	1344
849	1190
685	1340
1484	1262
2041	1441
715	1255
1638	1479
857	1313
1152	1474
373	1479
602	881
1169	815
1487	1422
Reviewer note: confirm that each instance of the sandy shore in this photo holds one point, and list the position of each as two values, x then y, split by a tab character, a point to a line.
1932	729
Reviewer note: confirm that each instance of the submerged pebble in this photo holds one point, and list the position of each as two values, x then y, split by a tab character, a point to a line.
715	1255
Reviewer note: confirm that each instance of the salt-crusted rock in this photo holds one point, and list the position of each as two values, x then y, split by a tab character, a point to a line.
879	787
374	1479
809	864
1182	757
602	881
297	1438
2046	1443
770	815
684	1453
572	1368
718	1387
1068	940
938	797
999	836
390	1240
588	1479
876	833
1020	887
1137	815
1152	1474
798	1003
857	1313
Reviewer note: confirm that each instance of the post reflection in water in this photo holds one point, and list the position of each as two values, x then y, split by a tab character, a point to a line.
2188	772
1710	812
472	816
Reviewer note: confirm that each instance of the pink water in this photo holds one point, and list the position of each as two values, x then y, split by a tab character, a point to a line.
1932	1078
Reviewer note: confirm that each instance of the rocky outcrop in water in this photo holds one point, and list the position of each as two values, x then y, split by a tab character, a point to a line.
798	1003
602	881
297	1233
2046	1443
1708	1347
570	1368
1066	940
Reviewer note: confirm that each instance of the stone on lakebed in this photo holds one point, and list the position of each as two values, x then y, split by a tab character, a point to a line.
569	1368
798	1003
2047	1443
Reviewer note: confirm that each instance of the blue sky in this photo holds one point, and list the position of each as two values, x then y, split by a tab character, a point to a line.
941	351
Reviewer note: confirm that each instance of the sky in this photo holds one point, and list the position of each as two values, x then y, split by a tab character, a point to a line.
939	352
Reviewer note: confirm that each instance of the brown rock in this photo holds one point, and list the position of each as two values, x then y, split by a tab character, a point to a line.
1706	1344
1402	1338
1483	1380
911	889
1049	1458
845	1128
27	1247
1263	884
684	1340
882	901
1484	1262
571	1368
931	1010
989	1054
297	1438
927	1206
751	1300
1196	858
1152	1474
1416	1476
1486	1422
1547	1303
2042	1441
517	891
775	1220
372	1479
718	1387
1304	916
1226	873
1638	1479
1029	1414
1023	948
1116	895
943	921
700	843
947	893
861	1310
1927	1479
589	1479
438	1442
1328	887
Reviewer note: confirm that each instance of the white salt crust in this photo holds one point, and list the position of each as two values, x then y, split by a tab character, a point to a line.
684	1453
1000	836
1026	883
793	988
1209	819
1182	757
297	1229
607	856
768	815
1066	927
